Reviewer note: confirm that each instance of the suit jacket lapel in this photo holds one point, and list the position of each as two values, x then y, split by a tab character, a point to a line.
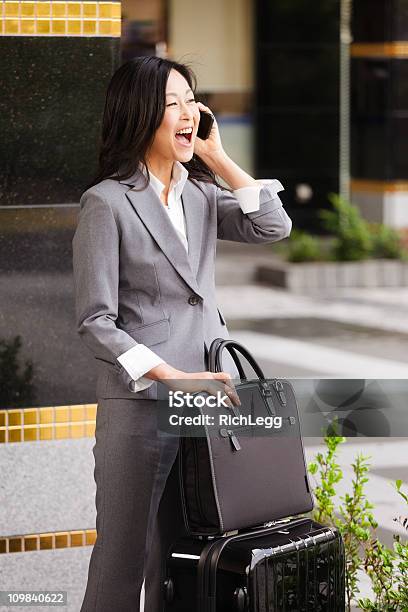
194	215
150	209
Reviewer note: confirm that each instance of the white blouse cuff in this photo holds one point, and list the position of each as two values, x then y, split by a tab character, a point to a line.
248	197
137	361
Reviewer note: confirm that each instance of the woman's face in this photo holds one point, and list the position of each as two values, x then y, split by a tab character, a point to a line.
181	112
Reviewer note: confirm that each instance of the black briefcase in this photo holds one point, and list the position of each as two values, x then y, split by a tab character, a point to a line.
292	566
240	476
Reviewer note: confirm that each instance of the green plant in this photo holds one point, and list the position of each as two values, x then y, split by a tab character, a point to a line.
387	568
353	239
355	516
354	525
401	553
303	247
15	389
386	242
330	474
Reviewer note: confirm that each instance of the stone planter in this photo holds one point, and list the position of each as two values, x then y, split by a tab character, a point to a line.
330	275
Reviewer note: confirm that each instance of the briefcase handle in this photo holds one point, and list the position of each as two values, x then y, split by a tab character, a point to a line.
215	357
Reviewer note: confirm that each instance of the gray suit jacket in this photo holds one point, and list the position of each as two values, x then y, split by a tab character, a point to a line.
135	282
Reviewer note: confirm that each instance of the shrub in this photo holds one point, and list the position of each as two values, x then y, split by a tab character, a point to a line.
386	242
387	568
303	247
353	238
15	389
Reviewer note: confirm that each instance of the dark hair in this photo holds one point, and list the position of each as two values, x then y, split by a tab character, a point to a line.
134	109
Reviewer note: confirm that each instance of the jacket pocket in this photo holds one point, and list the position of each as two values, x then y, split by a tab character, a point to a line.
152	333
129	310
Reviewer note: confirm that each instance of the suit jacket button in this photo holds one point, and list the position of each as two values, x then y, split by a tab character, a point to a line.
193	300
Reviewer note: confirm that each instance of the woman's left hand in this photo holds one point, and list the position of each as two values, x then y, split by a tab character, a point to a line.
212	146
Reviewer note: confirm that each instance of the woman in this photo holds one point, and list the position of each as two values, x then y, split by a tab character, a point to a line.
143	256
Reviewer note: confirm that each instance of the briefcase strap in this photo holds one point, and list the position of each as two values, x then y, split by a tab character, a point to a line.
233	347
214	362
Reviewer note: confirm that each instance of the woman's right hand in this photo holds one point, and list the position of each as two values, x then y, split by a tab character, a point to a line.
193	382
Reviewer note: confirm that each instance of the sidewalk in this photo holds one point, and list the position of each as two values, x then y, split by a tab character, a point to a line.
236	265
347	333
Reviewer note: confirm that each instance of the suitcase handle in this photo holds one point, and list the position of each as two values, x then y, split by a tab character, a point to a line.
215	357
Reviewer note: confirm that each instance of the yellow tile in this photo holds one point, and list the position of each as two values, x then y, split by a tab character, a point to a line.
59	9
30	433
89	9
27	26
46	415
74	26
43	9
2	435
15	545
31	542
77	412
116	10
78	430
45	541
3	416
116	28
3	545
77	538
11	9
90	537
27	9
46	433
105	28
61	539
90	430
15	417
61	414
43	26
30	416
61	431
74	9
11	26
90	412
89	27
105	10
14	435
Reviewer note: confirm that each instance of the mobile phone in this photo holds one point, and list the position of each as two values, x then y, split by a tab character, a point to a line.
205	125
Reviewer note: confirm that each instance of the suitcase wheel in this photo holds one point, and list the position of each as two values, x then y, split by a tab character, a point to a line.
240	599
169	590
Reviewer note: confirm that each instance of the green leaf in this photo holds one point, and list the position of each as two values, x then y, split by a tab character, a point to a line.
312	467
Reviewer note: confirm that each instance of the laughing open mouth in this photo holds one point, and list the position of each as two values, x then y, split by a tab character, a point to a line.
184	136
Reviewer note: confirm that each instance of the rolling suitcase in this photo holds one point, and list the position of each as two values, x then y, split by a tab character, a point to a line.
295	565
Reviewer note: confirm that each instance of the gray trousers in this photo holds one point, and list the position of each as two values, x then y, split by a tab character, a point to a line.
138	507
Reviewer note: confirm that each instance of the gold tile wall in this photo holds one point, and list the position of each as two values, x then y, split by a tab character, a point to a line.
372	186
51	423
395	48
47	541
57	18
